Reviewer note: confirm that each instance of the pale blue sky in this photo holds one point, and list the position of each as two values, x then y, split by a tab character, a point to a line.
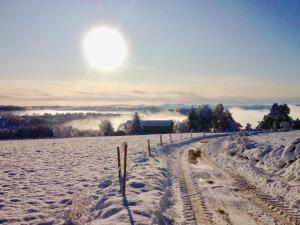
179	52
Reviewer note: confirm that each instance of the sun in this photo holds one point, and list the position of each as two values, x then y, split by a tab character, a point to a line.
104	48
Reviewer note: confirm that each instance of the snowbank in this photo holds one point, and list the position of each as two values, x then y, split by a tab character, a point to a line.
53	181
270	161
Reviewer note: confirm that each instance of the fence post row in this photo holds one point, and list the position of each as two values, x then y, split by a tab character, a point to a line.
119	163
125	164
149	149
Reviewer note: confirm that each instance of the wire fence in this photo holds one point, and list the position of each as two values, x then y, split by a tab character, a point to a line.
76	210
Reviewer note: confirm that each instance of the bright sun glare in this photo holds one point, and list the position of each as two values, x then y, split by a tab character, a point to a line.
104	48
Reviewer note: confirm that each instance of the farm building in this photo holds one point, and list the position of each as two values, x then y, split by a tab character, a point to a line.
158	126
153	126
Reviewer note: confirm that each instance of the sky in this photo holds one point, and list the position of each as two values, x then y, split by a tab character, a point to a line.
192	52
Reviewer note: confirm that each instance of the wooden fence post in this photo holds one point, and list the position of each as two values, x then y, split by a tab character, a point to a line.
125	173
119	162
171	138
191	134
181	135
161	140
149	149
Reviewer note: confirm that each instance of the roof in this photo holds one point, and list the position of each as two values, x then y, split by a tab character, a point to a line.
157	123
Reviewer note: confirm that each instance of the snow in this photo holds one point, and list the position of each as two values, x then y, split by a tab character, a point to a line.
56	181
223	195
53	180
268	160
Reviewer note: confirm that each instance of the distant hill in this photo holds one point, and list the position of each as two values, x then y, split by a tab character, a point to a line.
6	108
254	107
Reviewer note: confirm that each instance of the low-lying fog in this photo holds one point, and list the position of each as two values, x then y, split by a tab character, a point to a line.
254	116
241	115
116	120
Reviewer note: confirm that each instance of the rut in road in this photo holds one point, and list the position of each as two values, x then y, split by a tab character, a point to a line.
194	208
207	194
270	206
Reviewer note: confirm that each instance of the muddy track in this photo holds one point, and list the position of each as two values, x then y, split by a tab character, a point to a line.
272	206
195	210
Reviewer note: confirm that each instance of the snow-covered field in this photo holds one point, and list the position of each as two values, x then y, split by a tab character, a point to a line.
48	181
270	161
75	180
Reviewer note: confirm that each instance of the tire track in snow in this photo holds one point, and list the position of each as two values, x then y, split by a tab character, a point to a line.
195	210
272	206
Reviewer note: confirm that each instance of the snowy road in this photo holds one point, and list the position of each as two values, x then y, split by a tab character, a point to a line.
204	193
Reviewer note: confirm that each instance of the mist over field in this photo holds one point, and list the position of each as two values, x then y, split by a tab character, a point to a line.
122	117
241	115
244	116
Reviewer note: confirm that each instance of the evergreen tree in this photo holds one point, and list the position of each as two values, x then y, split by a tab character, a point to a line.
222	120
205	118
218	118
230	123
277	117
296	124
248	126
193	121
137	126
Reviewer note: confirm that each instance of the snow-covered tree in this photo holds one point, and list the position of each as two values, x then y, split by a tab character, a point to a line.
248	126
218	118
223	121
193	120
106	128
137	126
65	131
277	115
182	127
230	123
205	118
296	124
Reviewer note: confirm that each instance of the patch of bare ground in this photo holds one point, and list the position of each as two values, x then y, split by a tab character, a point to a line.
194	155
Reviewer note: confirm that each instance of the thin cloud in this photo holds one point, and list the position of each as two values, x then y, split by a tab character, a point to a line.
86	92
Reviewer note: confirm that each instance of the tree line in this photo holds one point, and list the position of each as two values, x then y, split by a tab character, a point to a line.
206	119
211	119
201	119
133	127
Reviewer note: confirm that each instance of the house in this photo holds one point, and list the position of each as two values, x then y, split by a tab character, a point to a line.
158	126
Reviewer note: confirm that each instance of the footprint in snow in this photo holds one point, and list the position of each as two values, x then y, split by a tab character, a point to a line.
111	212
137	185
141	213
104	184
66	201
